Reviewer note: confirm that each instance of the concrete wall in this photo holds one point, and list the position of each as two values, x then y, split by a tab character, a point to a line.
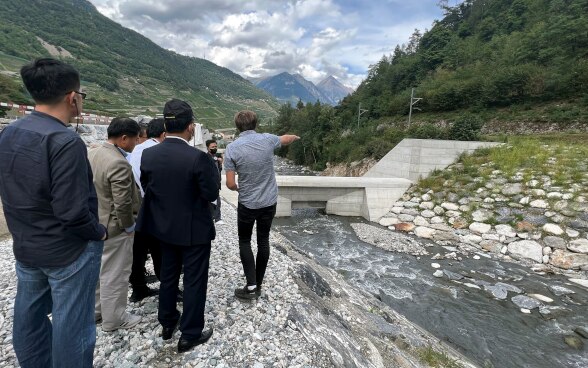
415	158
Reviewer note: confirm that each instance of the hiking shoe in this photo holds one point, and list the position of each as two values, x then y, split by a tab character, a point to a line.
131	321
246	294
142	293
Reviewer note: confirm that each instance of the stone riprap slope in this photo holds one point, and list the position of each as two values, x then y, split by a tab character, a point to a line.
532	208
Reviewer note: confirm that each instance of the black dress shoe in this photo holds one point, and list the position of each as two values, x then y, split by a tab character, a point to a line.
185	345
168	332
142	293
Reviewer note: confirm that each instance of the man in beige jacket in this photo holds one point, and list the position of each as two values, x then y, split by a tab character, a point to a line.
118	204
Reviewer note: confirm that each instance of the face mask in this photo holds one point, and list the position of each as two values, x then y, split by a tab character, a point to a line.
213	151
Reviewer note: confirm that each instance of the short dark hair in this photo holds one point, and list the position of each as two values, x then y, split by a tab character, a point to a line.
209	142
155	128
143	130
245	120
49	80
123	126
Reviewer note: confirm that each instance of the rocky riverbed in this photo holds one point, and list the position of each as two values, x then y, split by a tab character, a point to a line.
307	317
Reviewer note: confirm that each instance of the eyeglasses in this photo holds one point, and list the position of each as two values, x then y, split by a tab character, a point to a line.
79	93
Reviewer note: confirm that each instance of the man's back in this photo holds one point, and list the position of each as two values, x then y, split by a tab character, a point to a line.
47	192
179	183
118	197
251	156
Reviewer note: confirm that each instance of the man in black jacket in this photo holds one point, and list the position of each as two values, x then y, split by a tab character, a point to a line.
51	209
179	183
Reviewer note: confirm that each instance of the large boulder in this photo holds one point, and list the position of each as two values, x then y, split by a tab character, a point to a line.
528	249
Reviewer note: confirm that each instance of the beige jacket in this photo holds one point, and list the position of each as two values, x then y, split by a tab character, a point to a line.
118	195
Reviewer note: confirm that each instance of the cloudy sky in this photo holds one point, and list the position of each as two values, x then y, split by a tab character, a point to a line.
259	38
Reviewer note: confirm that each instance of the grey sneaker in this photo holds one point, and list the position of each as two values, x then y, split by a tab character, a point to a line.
131	321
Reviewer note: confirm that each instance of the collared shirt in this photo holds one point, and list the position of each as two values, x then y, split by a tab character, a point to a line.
135	160
176	137
251	156
47	192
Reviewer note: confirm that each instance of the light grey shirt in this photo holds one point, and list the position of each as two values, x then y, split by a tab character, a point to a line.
251	156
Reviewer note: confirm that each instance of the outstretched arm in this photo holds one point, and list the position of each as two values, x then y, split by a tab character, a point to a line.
288	139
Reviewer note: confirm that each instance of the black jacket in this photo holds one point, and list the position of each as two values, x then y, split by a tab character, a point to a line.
47	191
179	183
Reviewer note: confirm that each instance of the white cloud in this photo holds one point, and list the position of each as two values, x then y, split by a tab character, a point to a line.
258	38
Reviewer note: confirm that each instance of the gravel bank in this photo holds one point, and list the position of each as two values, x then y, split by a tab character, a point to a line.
257	334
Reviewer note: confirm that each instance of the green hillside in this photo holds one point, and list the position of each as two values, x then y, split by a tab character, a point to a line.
124	72
490	63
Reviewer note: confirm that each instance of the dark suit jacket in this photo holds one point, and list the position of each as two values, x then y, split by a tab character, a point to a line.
179	183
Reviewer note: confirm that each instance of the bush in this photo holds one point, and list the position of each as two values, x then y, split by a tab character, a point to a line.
466	128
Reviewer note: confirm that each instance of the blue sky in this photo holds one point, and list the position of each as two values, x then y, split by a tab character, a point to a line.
257	38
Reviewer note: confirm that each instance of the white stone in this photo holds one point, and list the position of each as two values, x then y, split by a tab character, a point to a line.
473	239
567	196
526	249
538	192
435	265
450	206
397	210
438	273
439	210
525	311
452	213
553	229
579	246
476	257
424	232
437	220
572	233
420	221
523	235
532	183
582	282
494	237
480	228
547	251
428	214
505	230
542	298
524	200
504	250
489	200
545	258
554	195
427	205
539	203
426	197
388	221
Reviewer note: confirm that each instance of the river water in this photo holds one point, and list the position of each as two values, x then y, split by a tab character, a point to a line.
491	332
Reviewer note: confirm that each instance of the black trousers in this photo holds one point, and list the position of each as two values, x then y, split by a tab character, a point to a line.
144	242
246	218
195	260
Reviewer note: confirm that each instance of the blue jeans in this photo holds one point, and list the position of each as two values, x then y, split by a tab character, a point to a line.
68	339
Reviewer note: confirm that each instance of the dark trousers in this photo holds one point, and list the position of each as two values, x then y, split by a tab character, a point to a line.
215	210
246	218
195	260
144	242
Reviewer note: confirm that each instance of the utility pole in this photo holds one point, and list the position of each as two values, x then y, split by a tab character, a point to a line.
413	100
360	112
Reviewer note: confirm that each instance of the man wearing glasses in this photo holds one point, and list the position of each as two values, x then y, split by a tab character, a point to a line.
51	210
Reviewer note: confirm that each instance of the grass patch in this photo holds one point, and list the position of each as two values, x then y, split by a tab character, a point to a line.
436	359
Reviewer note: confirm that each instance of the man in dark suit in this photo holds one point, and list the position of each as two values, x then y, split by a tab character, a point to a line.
179	183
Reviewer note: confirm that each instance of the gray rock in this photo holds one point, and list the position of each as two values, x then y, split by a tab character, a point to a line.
505	230
552	312
523	301
482	215
560	290
405	218
579	246
427	205
528	249
410	211
539	203
554	242
512	189
496	291
453	275
534	219
574	342
553	229
568	260
439	210
579	225
509	287
450	206
424	232
582	331
438	273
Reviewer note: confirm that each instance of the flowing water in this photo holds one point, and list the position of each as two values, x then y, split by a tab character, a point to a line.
491	332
